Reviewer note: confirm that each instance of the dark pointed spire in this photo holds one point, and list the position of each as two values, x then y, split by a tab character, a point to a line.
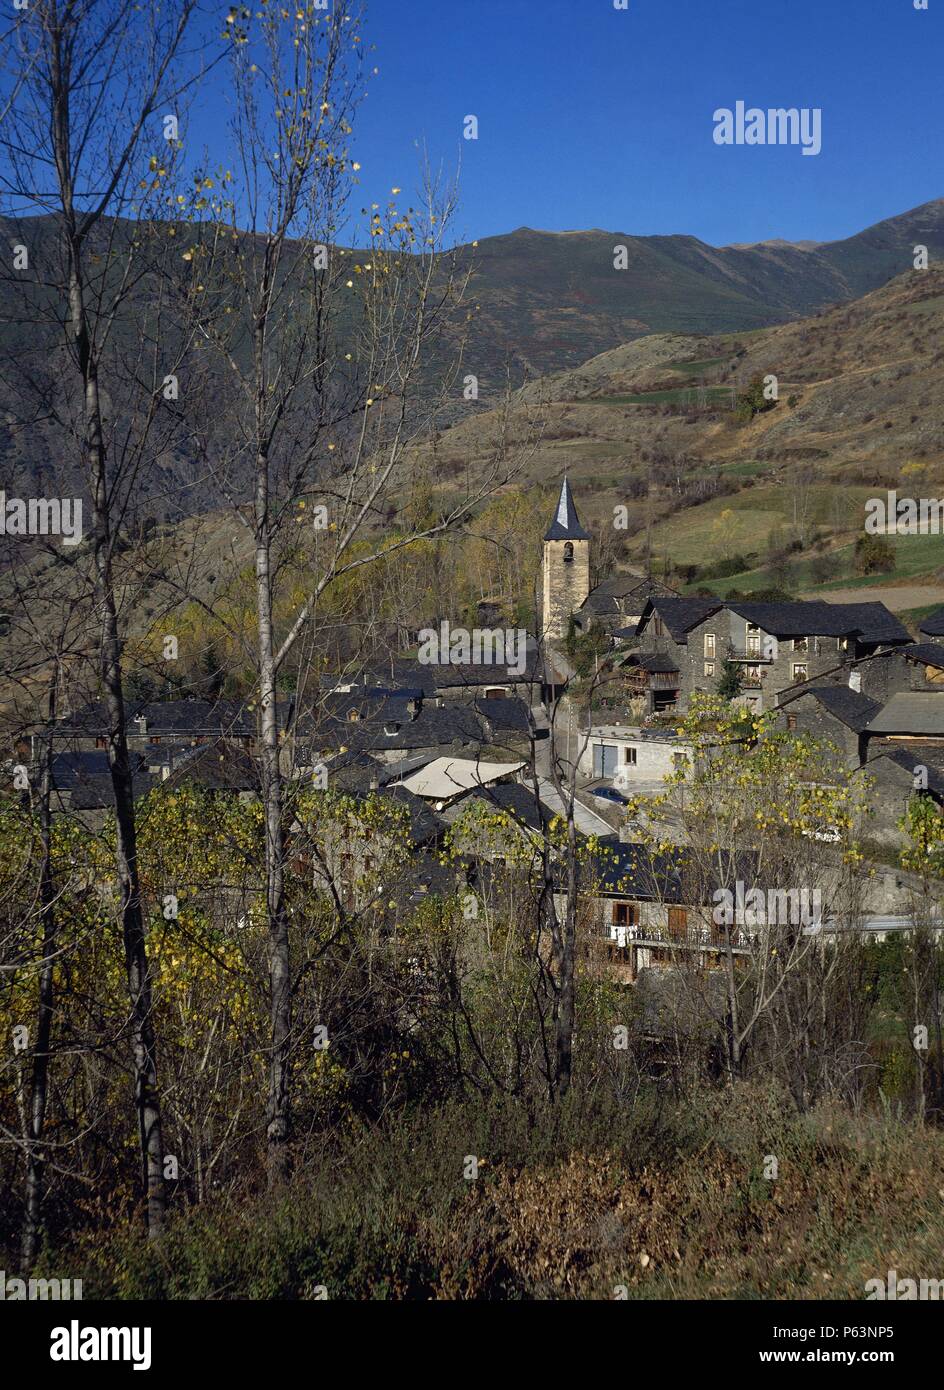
566	524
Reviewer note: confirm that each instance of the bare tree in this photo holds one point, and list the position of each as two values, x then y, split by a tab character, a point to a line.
93	79
321	352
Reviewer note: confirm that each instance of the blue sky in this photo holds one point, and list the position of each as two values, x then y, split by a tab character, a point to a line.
590	117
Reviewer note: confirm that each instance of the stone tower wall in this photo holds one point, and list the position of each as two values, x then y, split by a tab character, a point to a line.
566	584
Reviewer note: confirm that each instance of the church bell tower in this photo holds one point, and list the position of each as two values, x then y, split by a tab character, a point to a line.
566	567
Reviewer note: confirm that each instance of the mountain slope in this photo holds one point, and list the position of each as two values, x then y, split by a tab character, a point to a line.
650	426
550	300
543	303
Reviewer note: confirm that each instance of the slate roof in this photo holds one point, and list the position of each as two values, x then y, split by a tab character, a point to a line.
911	712
353	774
219	766
908	756
850	707
70	769
451	677
566	524
875	622
425	825
98	793
86	777
929	653
680	615
872	622
423	878
605	598
651	661
505	716
933	624
366	703
516	800
353	771
627	869
395	675
224	718
434	726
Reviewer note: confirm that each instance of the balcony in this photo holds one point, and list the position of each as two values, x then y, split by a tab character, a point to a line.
756	658
710	938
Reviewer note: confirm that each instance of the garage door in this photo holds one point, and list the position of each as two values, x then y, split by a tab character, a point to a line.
604	760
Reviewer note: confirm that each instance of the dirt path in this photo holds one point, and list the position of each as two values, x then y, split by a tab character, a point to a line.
897	598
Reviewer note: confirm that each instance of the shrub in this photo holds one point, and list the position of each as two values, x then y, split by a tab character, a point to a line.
874	555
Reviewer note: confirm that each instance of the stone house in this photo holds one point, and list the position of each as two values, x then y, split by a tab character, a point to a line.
899	772
775	645
918	666
836	713
153	724
619	602
647	911
899	744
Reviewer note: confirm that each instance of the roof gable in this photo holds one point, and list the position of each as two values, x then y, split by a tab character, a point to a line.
679	615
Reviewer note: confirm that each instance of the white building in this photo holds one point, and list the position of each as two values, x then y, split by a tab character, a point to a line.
631	758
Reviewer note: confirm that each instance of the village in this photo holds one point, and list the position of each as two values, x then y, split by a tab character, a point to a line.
488	721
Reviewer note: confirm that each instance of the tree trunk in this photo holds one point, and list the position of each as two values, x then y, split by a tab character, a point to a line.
566	966
137	969
279	1128
32	1224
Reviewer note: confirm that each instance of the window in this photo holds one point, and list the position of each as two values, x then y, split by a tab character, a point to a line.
709	668
568	552
626	914
155	738
842	644
800	644
751	676
753	639
101	743
799	671
658	627
791	721
709	644
629	757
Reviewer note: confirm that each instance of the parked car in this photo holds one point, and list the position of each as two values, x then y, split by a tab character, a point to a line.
610	794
